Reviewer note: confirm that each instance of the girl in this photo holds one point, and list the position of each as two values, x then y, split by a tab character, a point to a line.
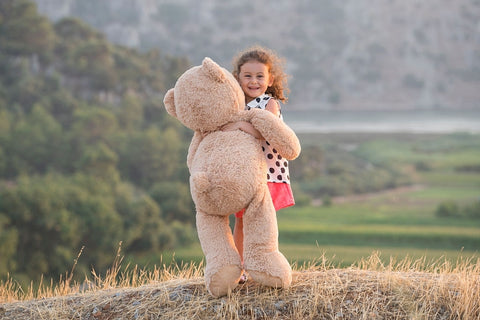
259	72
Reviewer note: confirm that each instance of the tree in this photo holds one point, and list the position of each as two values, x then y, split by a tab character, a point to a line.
91	126
151	156
8	246
151	232
100	161
94	60
4	139
62	106
4	124
28	87
130	112
35	207
175	201
35	142
22	30
100	224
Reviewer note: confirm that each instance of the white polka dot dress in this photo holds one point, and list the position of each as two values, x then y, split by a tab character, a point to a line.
277	165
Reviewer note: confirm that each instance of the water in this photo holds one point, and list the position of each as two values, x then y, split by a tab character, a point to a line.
431	121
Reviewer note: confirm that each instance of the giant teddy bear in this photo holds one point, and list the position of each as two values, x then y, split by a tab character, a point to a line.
228	173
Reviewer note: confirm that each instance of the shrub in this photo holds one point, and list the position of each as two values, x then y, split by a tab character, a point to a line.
452	209
327	201
422	165
473	210
447	209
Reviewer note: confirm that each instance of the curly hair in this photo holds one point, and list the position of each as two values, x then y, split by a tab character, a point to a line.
279	88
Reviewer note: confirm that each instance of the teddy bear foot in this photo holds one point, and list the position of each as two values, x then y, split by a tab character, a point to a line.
224	281
273	271
266	279
269	280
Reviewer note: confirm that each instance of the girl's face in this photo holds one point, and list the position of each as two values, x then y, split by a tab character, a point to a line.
254	78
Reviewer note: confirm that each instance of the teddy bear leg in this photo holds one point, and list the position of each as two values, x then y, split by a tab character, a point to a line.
223	266
262	259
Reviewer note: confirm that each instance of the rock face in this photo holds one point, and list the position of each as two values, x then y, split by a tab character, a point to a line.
355	54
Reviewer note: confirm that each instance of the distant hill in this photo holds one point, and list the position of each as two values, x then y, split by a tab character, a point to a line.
352	54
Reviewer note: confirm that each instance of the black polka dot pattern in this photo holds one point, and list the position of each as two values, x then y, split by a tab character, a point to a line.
277	166
277	170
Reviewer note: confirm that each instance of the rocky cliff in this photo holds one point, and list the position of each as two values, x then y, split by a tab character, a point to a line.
351	54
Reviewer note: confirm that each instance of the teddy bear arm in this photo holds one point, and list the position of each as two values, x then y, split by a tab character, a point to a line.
192	149
277	133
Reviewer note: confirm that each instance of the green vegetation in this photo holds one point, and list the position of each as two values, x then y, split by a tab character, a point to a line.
408	221
402	222
86	149
435	216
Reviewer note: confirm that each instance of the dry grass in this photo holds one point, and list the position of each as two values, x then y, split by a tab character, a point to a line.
408	289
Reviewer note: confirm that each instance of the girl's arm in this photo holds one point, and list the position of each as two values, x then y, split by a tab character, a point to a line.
273	107
247	127
242	126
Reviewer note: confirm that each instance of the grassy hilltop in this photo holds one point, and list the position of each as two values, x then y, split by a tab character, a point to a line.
370	290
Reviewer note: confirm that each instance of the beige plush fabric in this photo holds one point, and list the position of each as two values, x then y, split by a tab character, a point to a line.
228	173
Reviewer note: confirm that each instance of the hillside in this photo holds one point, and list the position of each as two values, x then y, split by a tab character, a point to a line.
406	290
354	54
89	157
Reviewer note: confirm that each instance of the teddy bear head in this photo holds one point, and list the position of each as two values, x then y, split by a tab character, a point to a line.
205	97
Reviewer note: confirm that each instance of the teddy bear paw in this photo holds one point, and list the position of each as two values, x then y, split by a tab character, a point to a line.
224	281
270	280
273	270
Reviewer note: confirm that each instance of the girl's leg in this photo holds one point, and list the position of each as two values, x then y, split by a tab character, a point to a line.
238	239
238	236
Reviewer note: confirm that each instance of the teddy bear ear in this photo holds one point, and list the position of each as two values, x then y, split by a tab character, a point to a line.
214	70
169	103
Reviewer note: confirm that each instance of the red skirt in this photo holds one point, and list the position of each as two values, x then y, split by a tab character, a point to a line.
281	194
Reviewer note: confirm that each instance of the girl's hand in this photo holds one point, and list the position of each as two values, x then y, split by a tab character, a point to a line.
244	126
231	126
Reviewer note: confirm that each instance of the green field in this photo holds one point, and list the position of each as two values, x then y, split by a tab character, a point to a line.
397	223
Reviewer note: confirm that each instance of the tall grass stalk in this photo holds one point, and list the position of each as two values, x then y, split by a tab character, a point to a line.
369	289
